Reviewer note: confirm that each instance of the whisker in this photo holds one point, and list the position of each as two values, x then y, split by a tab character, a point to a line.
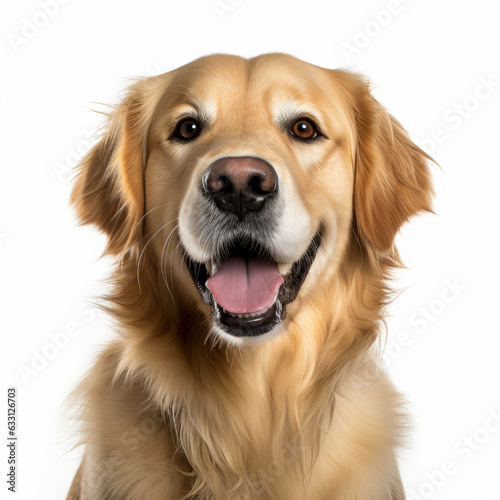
153	209
162	262
140	256
176	249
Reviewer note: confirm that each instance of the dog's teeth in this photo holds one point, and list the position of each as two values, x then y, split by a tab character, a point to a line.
209	267
284	269
246	315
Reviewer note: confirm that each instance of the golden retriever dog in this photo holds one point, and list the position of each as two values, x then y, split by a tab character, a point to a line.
252	207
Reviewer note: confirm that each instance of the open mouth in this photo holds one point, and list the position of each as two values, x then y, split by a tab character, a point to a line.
247	290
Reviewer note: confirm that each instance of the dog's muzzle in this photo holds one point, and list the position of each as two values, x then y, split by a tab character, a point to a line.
243	283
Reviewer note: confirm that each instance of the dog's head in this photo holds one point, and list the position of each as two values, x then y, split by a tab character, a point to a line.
257	175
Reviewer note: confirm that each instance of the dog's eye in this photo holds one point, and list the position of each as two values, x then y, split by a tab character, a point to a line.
187	129
304	129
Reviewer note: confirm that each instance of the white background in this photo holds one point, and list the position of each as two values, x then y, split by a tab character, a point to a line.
427	60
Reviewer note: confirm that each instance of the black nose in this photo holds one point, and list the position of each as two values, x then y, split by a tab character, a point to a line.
240	184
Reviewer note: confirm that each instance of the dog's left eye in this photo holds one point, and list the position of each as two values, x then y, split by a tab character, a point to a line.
187	129
304	129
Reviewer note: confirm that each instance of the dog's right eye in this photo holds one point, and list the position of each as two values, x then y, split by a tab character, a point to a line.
187	129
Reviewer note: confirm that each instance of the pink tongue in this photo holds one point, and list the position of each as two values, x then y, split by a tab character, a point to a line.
245	285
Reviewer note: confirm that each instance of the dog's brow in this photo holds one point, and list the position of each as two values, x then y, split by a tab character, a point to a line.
285	112
286	108
203	110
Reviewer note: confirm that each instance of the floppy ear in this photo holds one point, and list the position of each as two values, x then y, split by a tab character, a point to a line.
108	190
392	178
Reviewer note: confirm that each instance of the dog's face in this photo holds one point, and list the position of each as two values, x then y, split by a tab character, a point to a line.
263	180
247	180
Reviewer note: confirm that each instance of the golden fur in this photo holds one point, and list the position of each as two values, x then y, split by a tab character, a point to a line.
171	412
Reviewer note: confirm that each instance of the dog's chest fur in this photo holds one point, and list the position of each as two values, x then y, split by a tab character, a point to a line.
258	438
